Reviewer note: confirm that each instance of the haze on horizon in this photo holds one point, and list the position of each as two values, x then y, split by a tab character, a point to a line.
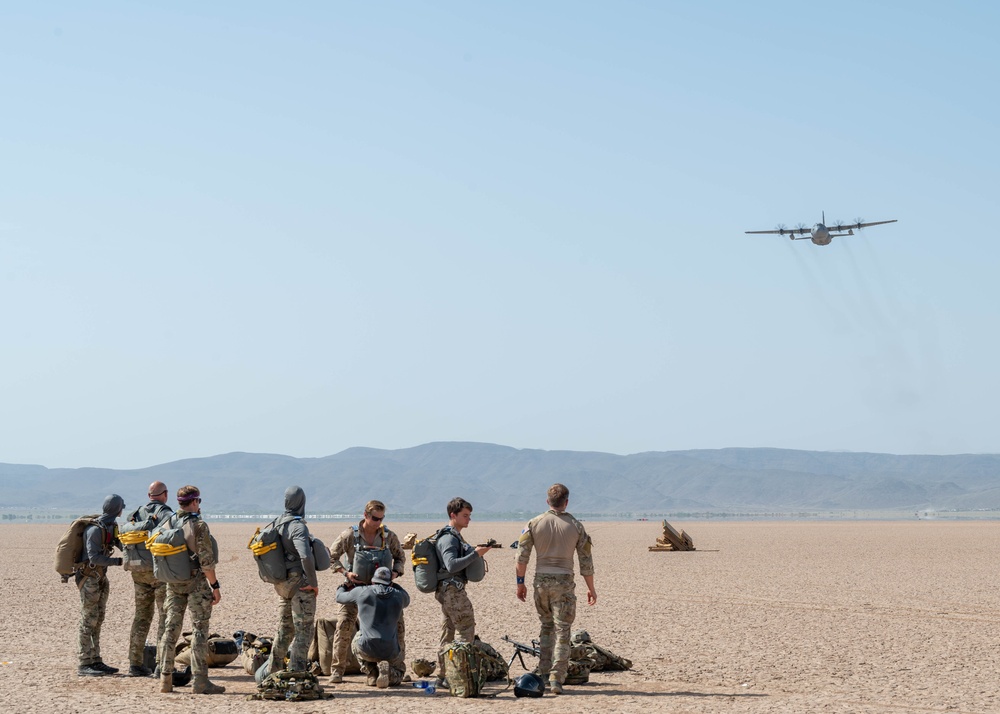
239	227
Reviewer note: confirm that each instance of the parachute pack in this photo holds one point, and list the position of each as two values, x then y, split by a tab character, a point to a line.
167	545
369	558
133	536
269	552
173	561
426	563
70	548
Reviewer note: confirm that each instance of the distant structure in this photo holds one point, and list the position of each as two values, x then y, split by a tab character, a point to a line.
672	540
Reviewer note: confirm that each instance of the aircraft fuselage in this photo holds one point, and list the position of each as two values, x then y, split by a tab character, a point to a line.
821	234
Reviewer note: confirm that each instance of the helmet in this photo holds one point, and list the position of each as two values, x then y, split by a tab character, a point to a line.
580	637
423	667
529	685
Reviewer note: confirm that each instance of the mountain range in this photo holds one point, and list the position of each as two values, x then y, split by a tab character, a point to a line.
503	481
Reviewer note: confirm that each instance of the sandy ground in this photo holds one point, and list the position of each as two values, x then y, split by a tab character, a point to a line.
764	617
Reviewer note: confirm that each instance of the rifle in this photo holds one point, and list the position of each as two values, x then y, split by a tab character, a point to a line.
520	650
491	543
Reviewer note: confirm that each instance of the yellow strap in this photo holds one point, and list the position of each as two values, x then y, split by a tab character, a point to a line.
259	548
165	550
133	537
418	561
255	534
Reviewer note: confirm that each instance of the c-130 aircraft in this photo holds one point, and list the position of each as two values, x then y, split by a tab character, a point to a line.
821	234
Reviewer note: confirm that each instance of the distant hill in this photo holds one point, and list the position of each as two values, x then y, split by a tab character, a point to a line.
501	480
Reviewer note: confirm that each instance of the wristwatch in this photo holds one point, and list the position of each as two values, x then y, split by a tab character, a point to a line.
215	585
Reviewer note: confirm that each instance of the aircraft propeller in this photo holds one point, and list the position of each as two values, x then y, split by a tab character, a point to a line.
858	222
838	226
801	227
780	228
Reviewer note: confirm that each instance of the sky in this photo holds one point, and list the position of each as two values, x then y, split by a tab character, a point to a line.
294	229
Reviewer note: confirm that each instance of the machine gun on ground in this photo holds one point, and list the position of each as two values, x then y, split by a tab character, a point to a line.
521	649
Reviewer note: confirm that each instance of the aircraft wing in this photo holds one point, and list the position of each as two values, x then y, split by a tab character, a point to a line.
859	226
783	231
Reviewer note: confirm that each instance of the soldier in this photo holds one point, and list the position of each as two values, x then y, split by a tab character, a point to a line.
297	608
367	546
198	595
150	593
455	555
556	534
376	644
99	540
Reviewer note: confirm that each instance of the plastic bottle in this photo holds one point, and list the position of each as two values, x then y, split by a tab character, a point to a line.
427	686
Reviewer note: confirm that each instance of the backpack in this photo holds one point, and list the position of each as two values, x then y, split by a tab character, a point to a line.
464	669
133	536
426	563
254	652
69	552
368	558
269	552
492	663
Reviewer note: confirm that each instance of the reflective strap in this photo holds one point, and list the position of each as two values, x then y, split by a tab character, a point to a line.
165	550
259	548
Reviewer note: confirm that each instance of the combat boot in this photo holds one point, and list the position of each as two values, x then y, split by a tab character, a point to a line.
201	685
555	686
166	682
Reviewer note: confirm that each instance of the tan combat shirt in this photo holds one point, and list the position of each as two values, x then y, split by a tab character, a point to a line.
556	535
198	539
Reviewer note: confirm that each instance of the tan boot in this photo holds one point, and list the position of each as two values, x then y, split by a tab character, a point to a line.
201	685
166	683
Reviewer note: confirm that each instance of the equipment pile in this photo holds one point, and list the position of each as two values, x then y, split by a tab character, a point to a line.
672	540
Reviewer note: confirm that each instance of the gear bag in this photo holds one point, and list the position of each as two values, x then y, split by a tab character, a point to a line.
290	686
464	669
220	652
321	554
492	663
269	552
69	552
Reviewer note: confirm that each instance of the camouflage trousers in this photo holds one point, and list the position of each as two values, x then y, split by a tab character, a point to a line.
94	590
150	595
347	614
194	596
296	613
369	665
459	618
555	601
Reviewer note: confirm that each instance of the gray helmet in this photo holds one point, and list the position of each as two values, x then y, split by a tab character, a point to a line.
529	684
580	637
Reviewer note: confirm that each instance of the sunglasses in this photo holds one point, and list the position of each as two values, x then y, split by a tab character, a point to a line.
377	519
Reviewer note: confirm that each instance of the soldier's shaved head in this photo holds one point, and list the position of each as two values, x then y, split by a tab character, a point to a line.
158	491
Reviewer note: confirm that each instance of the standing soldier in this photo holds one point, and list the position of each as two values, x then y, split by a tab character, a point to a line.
92	582
368	546
297	608
454	556
198	594
556	534
150	593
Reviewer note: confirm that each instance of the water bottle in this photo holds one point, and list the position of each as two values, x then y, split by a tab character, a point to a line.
427	686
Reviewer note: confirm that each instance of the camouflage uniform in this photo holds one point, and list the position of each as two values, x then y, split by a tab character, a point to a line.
150	594
92	579
455	555
150	597
297	608
195	596
348	612
554	587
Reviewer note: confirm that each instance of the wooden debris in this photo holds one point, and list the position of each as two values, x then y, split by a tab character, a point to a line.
672	540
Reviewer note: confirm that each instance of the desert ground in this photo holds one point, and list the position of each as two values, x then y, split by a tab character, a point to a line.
763	617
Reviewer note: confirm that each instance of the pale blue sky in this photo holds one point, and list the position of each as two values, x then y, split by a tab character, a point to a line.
298	228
